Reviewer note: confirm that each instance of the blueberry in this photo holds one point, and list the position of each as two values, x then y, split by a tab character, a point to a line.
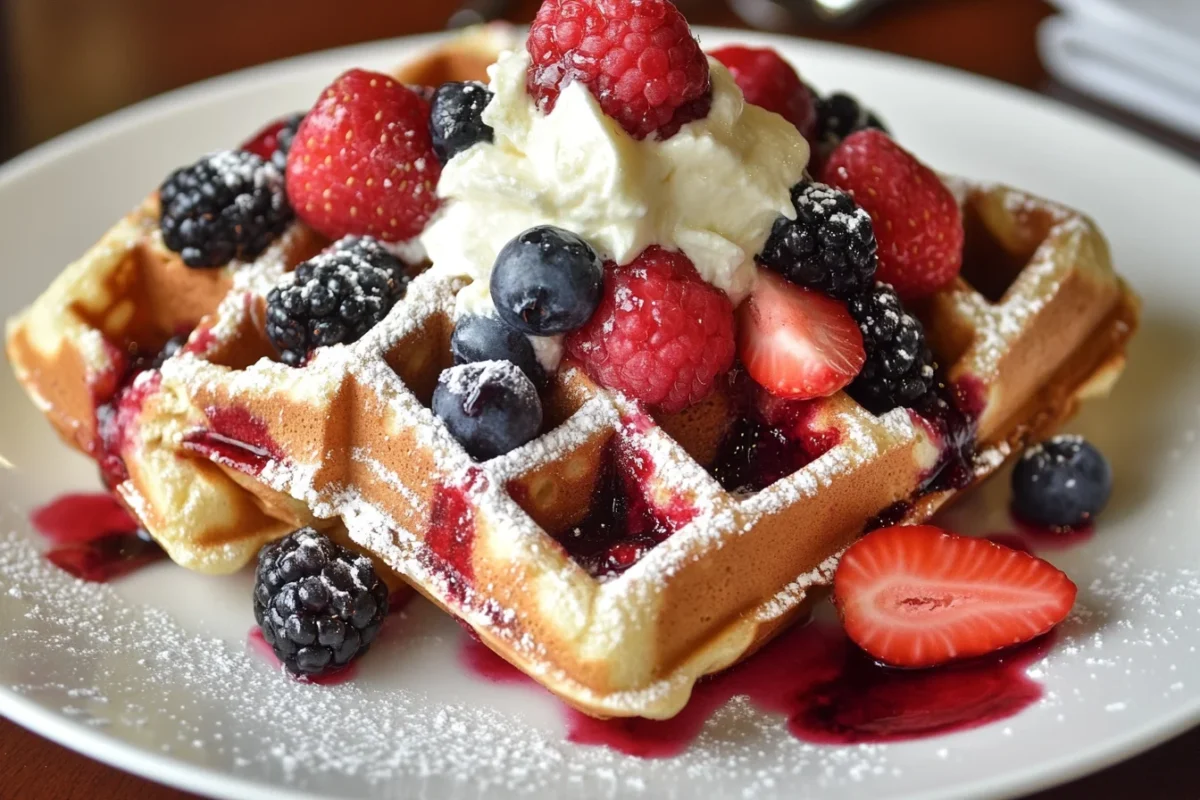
456	118
547	281
491	407
488	339
1062	482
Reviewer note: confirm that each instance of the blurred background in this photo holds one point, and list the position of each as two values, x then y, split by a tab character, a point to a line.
65	62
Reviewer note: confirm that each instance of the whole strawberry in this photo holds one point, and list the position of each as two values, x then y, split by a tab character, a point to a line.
661	334
636	57
917	221
770	82
362	161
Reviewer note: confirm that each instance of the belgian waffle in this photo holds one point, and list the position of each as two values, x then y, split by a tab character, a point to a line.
224	448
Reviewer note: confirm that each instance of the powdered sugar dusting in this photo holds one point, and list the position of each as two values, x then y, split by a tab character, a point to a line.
135	672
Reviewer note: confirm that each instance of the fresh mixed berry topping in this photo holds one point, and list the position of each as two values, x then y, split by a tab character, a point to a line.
829	246
917	220
951	414
840	115
772	438
333	298
274	142
636	57
362	162
623	523
319	605
919	597
546	281
141	361
899	366
1063	482
479	338
797	342
228	205
490	407
771	83
661	334
456	118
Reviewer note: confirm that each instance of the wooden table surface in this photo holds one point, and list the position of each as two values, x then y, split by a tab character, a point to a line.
63	62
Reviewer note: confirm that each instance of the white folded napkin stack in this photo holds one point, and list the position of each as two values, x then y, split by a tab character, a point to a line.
1143	55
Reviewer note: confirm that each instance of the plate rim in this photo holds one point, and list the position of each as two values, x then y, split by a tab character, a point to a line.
162	768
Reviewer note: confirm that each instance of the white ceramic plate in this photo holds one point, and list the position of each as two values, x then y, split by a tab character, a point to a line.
152	674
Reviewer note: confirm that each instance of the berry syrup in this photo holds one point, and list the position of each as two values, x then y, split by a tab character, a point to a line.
258	645
771	439
93	537
118	398
451	534
828	691
952	417
622	524
1042	538
235	438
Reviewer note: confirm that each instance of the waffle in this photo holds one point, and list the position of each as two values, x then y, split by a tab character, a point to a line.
224	448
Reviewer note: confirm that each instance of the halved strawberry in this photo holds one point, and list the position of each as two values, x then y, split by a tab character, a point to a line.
918	596
795	342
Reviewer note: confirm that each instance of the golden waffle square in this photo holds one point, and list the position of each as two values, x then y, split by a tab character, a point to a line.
224	448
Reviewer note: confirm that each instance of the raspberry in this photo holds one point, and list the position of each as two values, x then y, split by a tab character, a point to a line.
771	83
917	221
661	334
362	161
637	57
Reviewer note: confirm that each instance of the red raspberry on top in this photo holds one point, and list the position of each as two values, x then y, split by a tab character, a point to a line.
917	221
362	161
661	334
637	57
770	82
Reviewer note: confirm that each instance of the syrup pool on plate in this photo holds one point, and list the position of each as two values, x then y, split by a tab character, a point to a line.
826	690
93	537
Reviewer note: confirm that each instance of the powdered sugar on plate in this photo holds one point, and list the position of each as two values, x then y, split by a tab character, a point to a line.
146	677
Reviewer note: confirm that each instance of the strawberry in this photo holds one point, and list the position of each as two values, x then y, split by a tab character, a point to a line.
918	596
917	221
362	162
796	342
771	83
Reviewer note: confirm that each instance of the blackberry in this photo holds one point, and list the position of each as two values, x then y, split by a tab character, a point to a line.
318	604
830	245
333	298
840	115
230	204
899	367
284	138
456	119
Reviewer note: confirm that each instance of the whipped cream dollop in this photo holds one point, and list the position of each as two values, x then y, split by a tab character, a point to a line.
713	190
